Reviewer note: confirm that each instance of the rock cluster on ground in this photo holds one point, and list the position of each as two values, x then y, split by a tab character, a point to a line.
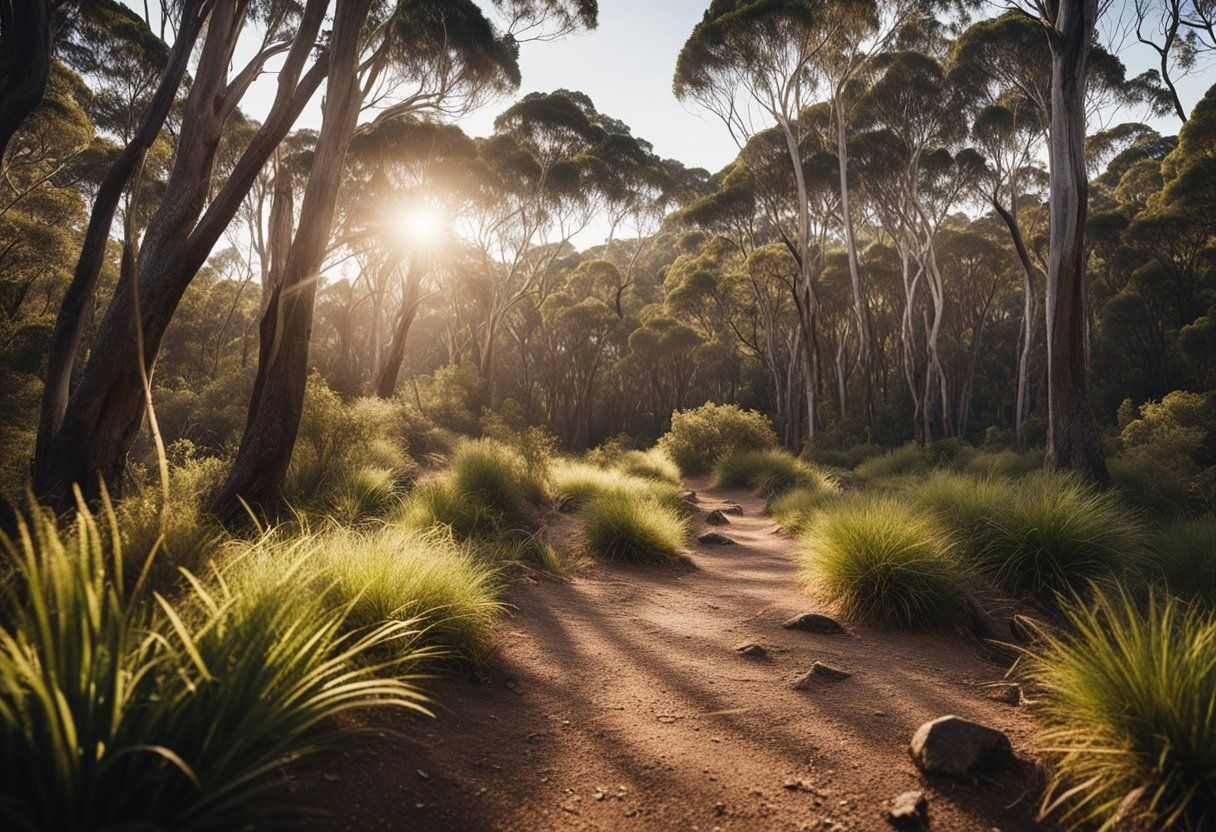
752	650
715	539
957	747
717	518
820	672
733	508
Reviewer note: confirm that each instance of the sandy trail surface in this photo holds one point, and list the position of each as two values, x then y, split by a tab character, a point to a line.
618	701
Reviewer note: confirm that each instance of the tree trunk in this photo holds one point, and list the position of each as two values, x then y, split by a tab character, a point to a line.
104	413
278	389
390	368
1029	316
864	336
1072	434
25	62
66	339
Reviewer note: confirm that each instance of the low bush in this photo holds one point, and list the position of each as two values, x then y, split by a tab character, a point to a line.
120	710
770	473
653	464
624	527
964	504
701	436
1005	463
1182	554
882	562
1126	699
847	458
1056	535
576	483
796	508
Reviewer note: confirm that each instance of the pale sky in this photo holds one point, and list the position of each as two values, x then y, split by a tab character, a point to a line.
625	65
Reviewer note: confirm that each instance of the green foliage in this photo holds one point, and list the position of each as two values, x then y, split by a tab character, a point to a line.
848	458
628	527
118	709
1182	554
654	464
882	563
909	459
1056	535
1126	699
1169	459
576	483
796	508
700	437
770	473
965	504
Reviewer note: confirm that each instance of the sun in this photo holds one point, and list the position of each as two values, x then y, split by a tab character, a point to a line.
423	225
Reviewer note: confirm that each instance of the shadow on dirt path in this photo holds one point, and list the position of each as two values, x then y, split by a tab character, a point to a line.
618	701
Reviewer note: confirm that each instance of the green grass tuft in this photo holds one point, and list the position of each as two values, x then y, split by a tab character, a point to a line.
1182	553
882	563
654	464
1127	697
795	509
770	473
626	527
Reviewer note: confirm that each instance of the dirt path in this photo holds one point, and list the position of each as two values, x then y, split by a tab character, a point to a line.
619	702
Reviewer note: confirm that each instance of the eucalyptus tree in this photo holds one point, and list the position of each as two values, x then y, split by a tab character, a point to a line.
758	58
27	29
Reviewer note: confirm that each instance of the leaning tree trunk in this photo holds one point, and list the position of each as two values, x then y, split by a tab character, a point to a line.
277	400
1072	433
76	299
25	62
1029	316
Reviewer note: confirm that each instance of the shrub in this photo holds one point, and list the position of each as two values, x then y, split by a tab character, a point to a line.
1161	485
120	711
883	563
1182	553
1056	535
422	577
847	458
770	473
621	526
909	459
1126	699
1169	459
701	436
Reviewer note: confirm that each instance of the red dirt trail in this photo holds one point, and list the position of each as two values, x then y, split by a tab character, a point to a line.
617	702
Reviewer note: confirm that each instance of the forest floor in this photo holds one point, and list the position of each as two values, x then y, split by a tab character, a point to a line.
617	700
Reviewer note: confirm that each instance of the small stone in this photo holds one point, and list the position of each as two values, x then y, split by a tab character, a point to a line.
717	517
1008	692
909	811
715	539
752	650
733	508
820	672
956	747
689	496
813	622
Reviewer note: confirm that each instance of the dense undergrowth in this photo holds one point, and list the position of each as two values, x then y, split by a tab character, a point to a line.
388	565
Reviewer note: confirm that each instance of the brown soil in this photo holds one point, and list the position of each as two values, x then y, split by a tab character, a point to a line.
617	701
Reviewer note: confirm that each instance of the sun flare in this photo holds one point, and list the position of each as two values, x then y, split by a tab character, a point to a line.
423	225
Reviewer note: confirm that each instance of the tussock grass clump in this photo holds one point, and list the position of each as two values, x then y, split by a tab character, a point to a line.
1127	700
401	574
1182	553
701	436
965	505
625	527
883	563
119	709
796	508
576	483
903	461
1005	463
771	473
1056	535
489	490
654	464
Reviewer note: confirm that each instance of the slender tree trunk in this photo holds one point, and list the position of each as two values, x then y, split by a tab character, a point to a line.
25	62
1073	441
278	389
65	342
864	336
1030	315
390	368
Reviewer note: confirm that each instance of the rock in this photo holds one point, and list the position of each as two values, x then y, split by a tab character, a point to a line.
689	496
1008	692
909	811
956	747
733	508
813	622
717	518
715	539
820	672
752	650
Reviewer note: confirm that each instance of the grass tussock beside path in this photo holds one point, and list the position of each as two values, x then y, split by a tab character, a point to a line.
622	526
770	473
120	708
1128	699
881	562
